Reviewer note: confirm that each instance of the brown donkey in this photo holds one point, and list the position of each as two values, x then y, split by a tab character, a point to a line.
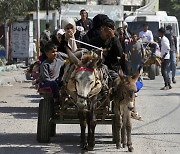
124	88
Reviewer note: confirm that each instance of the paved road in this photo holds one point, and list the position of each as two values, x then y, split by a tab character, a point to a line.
159	133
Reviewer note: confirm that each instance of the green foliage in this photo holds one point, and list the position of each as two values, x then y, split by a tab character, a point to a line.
171	6
176	5
53	4
11	9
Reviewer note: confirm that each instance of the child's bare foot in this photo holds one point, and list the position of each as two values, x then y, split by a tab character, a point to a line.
136	116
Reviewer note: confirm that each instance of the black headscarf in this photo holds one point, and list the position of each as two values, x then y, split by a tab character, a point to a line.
109	23
98	21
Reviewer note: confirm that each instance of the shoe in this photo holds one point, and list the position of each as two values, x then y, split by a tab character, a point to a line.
173	80
165	88
169	86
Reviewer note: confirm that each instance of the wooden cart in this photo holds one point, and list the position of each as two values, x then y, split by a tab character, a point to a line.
67	114
152	64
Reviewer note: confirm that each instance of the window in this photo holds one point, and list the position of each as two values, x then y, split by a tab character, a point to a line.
136	27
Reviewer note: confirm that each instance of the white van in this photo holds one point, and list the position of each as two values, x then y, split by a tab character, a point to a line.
154	21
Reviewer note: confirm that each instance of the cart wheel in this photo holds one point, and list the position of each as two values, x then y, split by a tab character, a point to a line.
113	130
53	129
53	125
44	120
152	72
157	70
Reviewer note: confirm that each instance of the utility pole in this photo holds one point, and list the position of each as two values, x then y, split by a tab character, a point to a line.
7	46
60	15
47	11
37	29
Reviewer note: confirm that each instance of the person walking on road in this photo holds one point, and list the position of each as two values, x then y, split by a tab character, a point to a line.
135	51
173	50
165	57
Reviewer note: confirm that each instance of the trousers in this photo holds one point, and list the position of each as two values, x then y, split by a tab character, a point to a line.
165	66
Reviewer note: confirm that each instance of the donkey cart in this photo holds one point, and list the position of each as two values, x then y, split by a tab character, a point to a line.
86	99
48	117
152	64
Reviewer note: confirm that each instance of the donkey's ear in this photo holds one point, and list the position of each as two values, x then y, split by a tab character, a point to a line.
72	56
136	75
94	63
121	74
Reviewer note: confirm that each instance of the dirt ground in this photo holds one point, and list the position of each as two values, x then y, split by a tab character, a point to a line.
159	133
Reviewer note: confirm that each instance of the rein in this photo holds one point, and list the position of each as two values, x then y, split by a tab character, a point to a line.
82	96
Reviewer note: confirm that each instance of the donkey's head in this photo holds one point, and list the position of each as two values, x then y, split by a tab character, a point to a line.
84	78
125	88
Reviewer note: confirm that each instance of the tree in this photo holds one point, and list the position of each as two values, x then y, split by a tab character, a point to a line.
172	7
53	4
12	9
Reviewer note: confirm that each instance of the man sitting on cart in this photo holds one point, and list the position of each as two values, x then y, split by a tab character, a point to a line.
147	37
113	53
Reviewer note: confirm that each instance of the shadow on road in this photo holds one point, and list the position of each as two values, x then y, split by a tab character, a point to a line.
168	94
151	136
35	101
29	96
31	87
21	112
164	94
65	143
155	134
34	98
21	150
21	144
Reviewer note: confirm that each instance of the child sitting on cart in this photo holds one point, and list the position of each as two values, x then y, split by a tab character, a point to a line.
51	71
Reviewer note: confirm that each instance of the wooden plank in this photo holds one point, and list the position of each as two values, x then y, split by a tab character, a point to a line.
76	121
74	111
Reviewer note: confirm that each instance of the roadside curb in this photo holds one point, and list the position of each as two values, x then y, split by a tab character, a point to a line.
10	67
12	73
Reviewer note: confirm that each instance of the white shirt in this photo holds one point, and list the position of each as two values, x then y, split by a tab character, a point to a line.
165	47
146	36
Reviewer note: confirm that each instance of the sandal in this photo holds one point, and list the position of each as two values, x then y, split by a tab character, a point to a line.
136	116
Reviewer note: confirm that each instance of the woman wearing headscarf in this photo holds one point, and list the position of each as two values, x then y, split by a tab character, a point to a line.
69	27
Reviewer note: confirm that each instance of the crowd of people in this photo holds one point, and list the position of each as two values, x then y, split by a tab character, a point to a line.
120	48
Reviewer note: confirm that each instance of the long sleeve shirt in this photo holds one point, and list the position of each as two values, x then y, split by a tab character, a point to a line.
114	49
50	71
